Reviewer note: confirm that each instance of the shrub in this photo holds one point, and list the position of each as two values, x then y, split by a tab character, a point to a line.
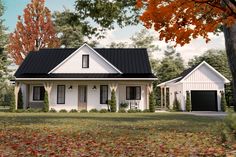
63	111
223	102
146	111
93	110
73	111
52	110
124	105
152	102
122	110
113	101
12	101
84	111
188	102
229	128
20	111
103	111
33	110
46	103
176	104
20	100
134	110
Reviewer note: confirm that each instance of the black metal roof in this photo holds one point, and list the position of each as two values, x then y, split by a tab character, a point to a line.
132	62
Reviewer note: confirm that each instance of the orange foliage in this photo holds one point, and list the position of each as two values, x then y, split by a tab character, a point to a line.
183	20
34	32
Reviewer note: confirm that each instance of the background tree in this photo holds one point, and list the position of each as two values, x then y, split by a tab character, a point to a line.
142	39
73	33
171	66
5	72
70	31
33	32
104	14
183	20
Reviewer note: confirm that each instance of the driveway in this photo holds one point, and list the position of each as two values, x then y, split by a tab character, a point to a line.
207	113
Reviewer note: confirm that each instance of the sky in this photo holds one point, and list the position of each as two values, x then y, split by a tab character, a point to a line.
13	8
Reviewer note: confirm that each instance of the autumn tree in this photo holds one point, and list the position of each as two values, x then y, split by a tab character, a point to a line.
34	31
183	20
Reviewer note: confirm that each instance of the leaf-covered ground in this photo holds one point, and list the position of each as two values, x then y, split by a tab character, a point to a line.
119	134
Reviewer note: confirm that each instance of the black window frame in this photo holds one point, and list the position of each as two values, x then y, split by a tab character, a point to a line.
41	93
106	102
64	94
83	61
134	97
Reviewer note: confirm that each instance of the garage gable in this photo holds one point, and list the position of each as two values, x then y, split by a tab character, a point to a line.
204	73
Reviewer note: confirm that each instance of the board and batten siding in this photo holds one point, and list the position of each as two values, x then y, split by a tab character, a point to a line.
203	74
74	64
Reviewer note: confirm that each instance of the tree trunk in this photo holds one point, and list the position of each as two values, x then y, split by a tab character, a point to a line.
230	45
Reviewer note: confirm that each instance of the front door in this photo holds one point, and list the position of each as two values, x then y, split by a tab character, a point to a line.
82	91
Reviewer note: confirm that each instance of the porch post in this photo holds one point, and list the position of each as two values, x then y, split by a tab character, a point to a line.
149	90
165	97
48	88
27	96
16	91
161	97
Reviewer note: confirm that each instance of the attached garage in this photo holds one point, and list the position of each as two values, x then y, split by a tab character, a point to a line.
204	85
204	100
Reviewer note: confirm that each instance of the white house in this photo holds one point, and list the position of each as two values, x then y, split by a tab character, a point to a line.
83	78
204	85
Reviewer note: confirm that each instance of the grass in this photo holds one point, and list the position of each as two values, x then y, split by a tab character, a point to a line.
109	134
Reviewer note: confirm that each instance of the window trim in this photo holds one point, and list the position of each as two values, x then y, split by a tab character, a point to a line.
83	61
33	98
101	94
64	94
140	89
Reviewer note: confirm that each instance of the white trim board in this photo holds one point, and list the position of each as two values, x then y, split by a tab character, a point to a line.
59	65
83	79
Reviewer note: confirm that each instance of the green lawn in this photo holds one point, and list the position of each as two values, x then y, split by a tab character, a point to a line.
106	134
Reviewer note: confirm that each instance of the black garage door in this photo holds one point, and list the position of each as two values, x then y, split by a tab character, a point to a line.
204	100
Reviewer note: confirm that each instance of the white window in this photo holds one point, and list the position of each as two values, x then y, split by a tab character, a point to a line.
85	61
61	94
133	93
38	93
103	94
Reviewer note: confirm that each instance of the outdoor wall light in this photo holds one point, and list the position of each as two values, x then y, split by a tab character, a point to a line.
94	87
70	87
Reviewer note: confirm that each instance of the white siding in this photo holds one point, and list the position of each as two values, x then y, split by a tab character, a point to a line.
203	74
96	63
93	95
176	88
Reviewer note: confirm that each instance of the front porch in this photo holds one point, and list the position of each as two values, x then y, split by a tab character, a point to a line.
84	95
